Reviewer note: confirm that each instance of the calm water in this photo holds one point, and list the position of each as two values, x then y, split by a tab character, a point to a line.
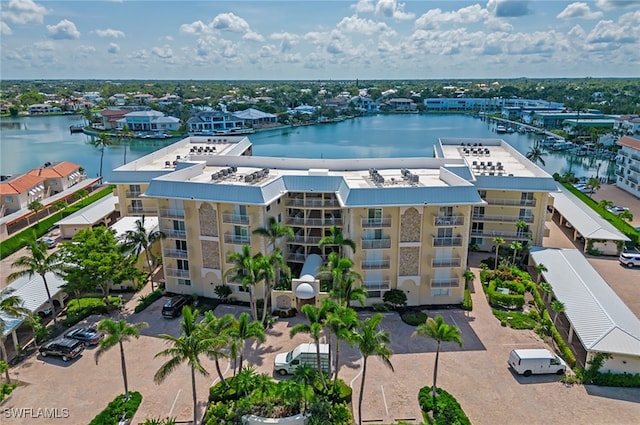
28	142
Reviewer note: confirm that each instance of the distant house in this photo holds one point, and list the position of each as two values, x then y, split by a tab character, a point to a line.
210	121
364	104
399	104
302	109
169	99
118	99
627	123
18	192
58	175
255	118
148	121
141	99
40	108
110	117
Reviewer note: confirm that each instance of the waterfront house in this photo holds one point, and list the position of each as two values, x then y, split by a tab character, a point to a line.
582	125
17	192
399	104
629	124
212	121
628	172
111	116
364	104
58	175
255	118
149	121
118	99
41	108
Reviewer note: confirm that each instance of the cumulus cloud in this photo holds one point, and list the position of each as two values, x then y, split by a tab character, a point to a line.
508	8
610	32
578	10
113	48
253	36
230	22
287	40
615	4
63	30
363	26
392	9
163	52
24	12
4	29
435	17
110	33
364	6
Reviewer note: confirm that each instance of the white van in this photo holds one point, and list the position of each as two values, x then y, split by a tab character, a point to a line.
303	354
630	259
536	361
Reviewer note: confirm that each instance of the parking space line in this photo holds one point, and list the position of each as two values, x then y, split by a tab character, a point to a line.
454	321
384	400
174	402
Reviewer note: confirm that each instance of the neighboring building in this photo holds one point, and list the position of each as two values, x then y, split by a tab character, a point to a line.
41	108
118	99
575	126
515	105
400	104
255	118
412	218
58	175
556	119
211	121
365	104
149	121
110	117
18	192
628	171
142	99
100	213
630	124
303	109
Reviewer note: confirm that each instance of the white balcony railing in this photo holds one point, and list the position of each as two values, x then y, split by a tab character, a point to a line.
448	220
171	213
171	272
141	210
445	262
230	218
175	234
176	253
376	264
447	282
376	222
384	243
237	239
447	241
502	218
511	202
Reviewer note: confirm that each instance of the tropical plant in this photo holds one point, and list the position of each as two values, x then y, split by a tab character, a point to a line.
36	207
116	333
337	238
102	142
268	272
217	330
557	307
38	262
140	240
521	228
338	271
371	341
498	241
594	184
468	276
536	154
316	317
341	321
515	247
395	297
625	215
274	232
82	193
125	135
246	270
10	306
540	268
438	330
547	289
186	348
244	330
605	204
60	205
305	375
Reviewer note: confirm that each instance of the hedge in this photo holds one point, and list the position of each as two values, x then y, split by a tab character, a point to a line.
608	379
146	300
449	411
223	391
114	411
467	302
516	319
413	317
498	299
567	354
82	308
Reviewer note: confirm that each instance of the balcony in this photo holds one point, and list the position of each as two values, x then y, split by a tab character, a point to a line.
175	234
620	172
133	194
314	222
634	168
312	203
511	202
377	287
448	220
229	218
372	223
383	264
496	234
446	282
447	241
170	272
445	262
503	218
306	240
141	210
237	239
632	179
384	243
171	213
176	253
296	258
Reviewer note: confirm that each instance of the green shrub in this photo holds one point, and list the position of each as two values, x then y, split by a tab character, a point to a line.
6	389
223	391
447	412
82	308
146	300
567	354
380	307
115	410
395	297
498	299
340	393
467	302
515	319
413	317
223	291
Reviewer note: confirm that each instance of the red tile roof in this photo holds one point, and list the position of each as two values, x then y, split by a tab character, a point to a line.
20	184
629	142
59	169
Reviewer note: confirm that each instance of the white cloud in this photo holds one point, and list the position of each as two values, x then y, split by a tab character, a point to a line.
163	52
611	32
138	55
63	30
392	9
578	10
197	27
113	48
435	17
508	8
364	6
4	29
110	33
230	22
253	36
24	12
287	40
363	26
615	4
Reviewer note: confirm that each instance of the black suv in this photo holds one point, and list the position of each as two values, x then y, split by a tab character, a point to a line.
173	306
66	348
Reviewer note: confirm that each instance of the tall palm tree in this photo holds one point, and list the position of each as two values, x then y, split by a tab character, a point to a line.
498	241
594	184
217	329
337	238
439	331
341	321
515	246
540	268
10	305
547	289
521	228
468	277
625	215
38	262
186	348
605	204
246	270
126	135
371	341
349	292
139	240
316	317
274	232
557	307
36	207
338	270
268	274
305	375
102	142
536	154
115	334
244	330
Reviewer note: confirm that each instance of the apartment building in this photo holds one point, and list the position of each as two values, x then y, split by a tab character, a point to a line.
628	161
412	219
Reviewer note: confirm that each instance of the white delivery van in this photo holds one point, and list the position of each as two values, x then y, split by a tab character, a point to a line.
536	361
303	354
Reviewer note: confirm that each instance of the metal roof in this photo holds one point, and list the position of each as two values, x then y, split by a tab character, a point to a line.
91	214
584	219
601	320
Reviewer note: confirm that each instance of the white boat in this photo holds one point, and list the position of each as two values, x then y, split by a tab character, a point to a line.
501	129
562	146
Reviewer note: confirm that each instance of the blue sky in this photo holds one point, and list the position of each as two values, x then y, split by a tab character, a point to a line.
301	40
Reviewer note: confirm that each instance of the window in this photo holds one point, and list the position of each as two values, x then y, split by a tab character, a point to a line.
477	241
446	211
134	189
136	205
478	212
9	199
279	217
477	228
526	196
181	245
375	215
525	215
374	234
183	264
268	208
184	282
483	193
445	232
178	225
279	199
440	292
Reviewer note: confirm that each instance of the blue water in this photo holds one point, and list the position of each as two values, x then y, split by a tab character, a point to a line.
28	142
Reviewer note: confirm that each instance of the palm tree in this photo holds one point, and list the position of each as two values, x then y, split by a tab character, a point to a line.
218	329
305	375
38	262
102	142
536	154
625	215
350	293
117	333
82	193
246	270
469	276
540	268
605	204
341	321
187	348
439	331
557	307
547	289
594	184
36	207
521	228
267	274
316	317
337	238
126	135
10	306
515	246
244	330
274	232
371	342
59	206
139	240
498	241
338	270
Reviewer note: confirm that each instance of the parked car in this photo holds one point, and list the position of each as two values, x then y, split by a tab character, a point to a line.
66	348
584	188
616	209
86	334
173	306
529	362
630	259
51	243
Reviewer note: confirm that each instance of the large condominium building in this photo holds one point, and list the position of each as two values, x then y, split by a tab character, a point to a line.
413	219
628	161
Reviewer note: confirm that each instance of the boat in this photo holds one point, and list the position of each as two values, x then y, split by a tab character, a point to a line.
522	129
562	146
76	128
234	132
501	129
550	141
